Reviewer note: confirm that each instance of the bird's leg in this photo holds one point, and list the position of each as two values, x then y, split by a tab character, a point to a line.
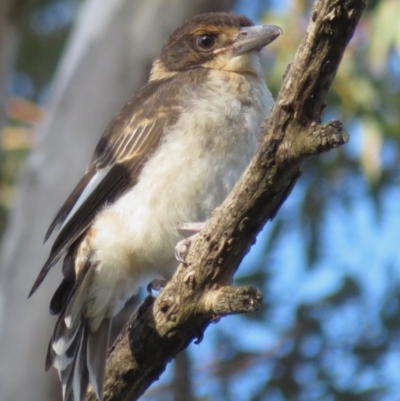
156	285
193	226
183	246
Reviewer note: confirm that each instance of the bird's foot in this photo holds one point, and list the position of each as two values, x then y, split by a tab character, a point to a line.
156	285
182	248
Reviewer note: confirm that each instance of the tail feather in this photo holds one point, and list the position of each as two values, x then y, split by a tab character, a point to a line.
66	377
67	287
64	337
61	296
66	374
80	375
78	348
70	319
97	355
83	362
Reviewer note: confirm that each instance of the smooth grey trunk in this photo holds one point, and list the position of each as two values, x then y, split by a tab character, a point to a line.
182	386
108	56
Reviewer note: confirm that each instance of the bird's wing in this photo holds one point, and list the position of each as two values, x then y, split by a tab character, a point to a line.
131	137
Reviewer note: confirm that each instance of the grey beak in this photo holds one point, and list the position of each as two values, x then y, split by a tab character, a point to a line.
255	38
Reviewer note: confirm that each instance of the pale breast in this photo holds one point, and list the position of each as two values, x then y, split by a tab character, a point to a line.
200	159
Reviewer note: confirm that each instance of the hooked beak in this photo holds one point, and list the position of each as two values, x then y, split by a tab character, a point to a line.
255	38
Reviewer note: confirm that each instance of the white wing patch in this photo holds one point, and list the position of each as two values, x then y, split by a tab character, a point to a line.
90	187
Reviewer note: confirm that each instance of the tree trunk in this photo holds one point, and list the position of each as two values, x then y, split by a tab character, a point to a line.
182	384
107	58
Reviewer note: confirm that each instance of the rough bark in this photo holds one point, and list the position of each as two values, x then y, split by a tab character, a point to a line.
200	292
108	57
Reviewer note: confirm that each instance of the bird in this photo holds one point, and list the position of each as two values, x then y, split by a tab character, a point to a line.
167	159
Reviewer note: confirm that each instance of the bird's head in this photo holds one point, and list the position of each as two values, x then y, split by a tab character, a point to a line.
216	41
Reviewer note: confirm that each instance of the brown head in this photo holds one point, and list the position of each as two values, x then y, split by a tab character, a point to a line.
216	41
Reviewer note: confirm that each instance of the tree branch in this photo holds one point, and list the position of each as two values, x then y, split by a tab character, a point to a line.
200	292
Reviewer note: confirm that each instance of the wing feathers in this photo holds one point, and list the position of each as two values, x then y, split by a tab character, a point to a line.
103	188
110	188
118	159
90	187
68	285
70	202
60	296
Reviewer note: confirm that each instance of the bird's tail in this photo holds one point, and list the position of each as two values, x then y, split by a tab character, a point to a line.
78	348
79	358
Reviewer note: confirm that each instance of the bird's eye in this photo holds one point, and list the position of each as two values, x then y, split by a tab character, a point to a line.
206	42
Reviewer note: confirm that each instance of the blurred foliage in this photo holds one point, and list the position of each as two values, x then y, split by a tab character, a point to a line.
336	345
366	96
43	26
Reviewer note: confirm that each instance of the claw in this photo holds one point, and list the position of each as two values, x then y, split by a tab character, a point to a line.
182	249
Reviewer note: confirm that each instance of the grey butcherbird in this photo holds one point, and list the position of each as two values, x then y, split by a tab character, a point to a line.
169	157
